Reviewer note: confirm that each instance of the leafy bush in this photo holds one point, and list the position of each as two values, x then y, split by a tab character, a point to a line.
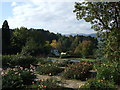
6	59
50	69
11	79
42	60
109	71
18	60
48	83
94	84
17	78
27	77
77	71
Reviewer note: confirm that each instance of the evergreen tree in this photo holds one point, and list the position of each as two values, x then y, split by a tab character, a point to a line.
6	35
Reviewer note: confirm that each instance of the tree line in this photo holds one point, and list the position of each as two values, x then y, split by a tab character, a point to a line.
39	42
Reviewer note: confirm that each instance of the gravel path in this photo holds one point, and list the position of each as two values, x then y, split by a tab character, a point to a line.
66	83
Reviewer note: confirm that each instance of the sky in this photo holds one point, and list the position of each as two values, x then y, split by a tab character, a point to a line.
55	16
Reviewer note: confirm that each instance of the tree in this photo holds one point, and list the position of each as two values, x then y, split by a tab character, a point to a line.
105	19
54	44
19	39
6	35
31	48
84	48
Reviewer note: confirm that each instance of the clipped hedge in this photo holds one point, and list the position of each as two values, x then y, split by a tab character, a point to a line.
18	60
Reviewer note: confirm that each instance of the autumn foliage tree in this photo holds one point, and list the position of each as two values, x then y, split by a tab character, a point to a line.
54	44
84	48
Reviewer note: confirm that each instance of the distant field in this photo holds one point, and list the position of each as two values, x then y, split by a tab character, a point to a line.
79	59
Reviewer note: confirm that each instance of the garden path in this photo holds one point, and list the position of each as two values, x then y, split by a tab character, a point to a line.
66	83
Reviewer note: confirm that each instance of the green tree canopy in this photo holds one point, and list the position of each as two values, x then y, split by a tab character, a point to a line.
105	19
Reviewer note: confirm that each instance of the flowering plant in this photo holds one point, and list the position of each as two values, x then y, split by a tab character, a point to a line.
49	69
48	83
77	70
17	78
96	84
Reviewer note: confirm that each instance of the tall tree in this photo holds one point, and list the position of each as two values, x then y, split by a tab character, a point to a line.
6	35
105	19
84	48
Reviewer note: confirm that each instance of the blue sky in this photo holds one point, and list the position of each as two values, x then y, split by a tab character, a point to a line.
57	17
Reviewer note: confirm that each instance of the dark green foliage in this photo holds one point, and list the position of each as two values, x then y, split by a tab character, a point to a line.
42	61
37	42
17	78
27	77
18	60
109	71
49	69
97	84
6	59
11	80
104	17
78	71
31	48
6	35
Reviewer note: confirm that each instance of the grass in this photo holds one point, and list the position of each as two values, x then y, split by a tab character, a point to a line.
79	59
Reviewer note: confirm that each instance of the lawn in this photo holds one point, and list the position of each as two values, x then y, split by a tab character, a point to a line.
76	59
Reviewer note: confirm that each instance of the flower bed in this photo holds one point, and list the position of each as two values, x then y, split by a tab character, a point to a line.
77	71
17	78
49	69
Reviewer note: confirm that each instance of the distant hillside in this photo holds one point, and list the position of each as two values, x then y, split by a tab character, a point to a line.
74	34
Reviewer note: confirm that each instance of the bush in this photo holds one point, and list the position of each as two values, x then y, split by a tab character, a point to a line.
18	60
77	71
42	60
50	69
94	84
27	77
11	79
48	83
6	59
17	78
109	71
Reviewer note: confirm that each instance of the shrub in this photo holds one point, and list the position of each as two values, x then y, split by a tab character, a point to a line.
6	59
42	60
77	71
27	77
25	61
18	60
17	78
109	71
48	83
50	69
11	79
94	84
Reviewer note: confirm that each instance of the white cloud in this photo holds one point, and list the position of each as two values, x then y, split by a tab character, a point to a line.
13	4
53	16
